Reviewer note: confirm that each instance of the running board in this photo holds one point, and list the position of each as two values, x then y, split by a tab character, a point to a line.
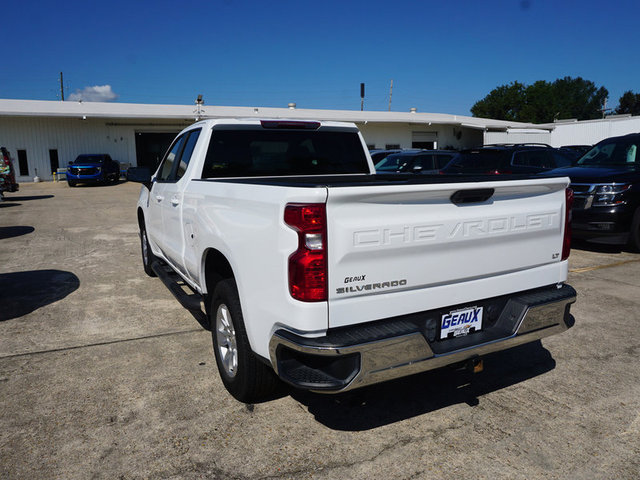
189	301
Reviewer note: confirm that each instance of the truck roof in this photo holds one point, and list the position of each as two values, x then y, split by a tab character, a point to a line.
259	121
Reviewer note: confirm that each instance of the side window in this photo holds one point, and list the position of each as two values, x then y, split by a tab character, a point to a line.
533	158
548	160
631	154
189	145
562	160
442	160
423	162
169	159
415	164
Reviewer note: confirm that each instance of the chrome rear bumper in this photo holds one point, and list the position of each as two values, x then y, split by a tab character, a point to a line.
353	357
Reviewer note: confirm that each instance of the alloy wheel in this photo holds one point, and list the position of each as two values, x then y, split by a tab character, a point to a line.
226	341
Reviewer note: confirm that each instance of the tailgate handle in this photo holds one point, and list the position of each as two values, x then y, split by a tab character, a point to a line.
477	195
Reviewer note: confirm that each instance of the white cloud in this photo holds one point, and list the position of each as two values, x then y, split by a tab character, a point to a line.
97	93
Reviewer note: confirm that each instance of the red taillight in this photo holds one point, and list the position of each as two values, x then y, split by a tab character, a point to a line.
308	264
566	242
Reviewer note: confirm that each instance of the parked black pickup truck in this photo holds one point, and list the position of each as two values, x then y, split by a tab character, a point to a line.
606	185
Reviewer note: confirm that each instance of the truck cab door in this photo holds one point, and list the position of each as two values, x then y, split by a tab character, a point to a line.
174	231
158	199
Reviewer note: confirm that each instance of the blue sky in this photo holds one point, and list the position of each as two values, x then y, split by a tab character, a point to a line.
443	56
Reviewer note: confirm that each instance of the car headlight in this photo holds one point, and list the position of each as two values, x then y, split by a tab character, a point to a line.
610	195
612	188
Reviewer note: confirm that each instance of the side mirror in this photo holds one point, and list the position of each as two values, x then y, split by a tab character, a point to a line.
140	175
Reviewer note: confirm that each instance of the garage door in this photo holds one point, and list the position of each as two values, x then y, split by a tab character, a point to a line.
428	140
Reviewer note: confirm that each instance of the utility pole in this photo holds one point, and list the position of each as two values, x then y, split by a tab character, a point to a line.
390	93
604	108
61	88
361	96
198	111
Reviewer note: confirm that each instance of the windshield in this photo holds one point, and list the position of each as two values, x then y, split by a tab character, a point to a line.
622	152
392	163
89	158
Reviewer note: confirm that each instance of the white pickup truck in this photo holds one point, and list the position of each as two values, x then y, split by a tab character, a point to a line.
312	269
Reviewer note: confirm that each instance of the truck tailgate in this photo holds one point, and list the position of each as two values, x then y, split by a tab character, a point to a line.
400	249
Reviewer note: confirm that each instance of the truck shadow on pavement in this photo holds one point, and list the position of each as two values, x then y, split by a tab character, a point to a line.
31	197
24	292
408	397
16	231
599	247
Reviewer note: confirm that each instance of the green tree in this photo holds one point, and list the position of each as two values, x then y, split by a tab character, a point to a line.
629	103
538	106
578	98
543	102
502	103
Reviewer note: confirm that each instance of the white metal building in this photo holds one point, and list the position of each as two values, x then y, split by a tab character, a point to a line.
45	135
569	132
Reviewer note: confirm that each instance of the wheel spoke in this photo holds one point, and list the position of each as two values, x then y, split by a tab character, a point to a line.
145	254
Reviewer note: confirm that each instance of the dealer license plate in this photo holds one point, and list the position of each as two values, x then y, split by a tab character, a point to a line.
461	322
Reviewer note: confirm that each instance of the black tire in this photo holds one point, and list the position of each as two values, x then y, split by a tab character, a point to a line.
244	376
72	183
147	255
634	236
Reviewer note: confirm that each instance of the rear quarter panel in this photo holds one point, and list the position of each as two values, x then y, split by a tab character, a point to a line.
245	223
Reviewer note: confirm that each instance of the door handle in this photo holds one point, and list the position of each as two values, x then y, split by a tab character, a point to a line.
175	201
159	198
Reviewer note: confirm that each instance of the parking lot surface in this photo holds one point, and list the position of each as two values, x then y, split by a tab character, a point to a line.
104	375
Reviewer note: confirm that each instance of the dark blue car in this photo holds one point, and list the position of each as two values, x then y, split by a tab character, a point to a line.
93	168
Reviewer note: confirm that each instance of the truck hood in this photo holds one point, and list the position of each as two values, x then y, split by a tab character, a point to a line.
592	174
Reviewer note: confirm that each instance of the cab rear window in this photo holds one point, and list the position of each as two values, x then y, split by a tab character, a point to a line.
264	152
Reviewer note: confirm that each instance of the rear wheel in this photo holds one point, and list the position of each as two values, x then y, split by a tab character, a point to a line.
243	375
634	236
147	255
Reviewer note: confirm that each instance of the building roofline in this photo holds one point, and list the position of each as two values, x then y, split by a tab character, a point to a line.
573	121
105	110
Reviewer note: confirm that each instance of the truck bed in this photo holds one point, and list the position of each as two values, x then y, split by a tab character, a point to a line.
370	180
